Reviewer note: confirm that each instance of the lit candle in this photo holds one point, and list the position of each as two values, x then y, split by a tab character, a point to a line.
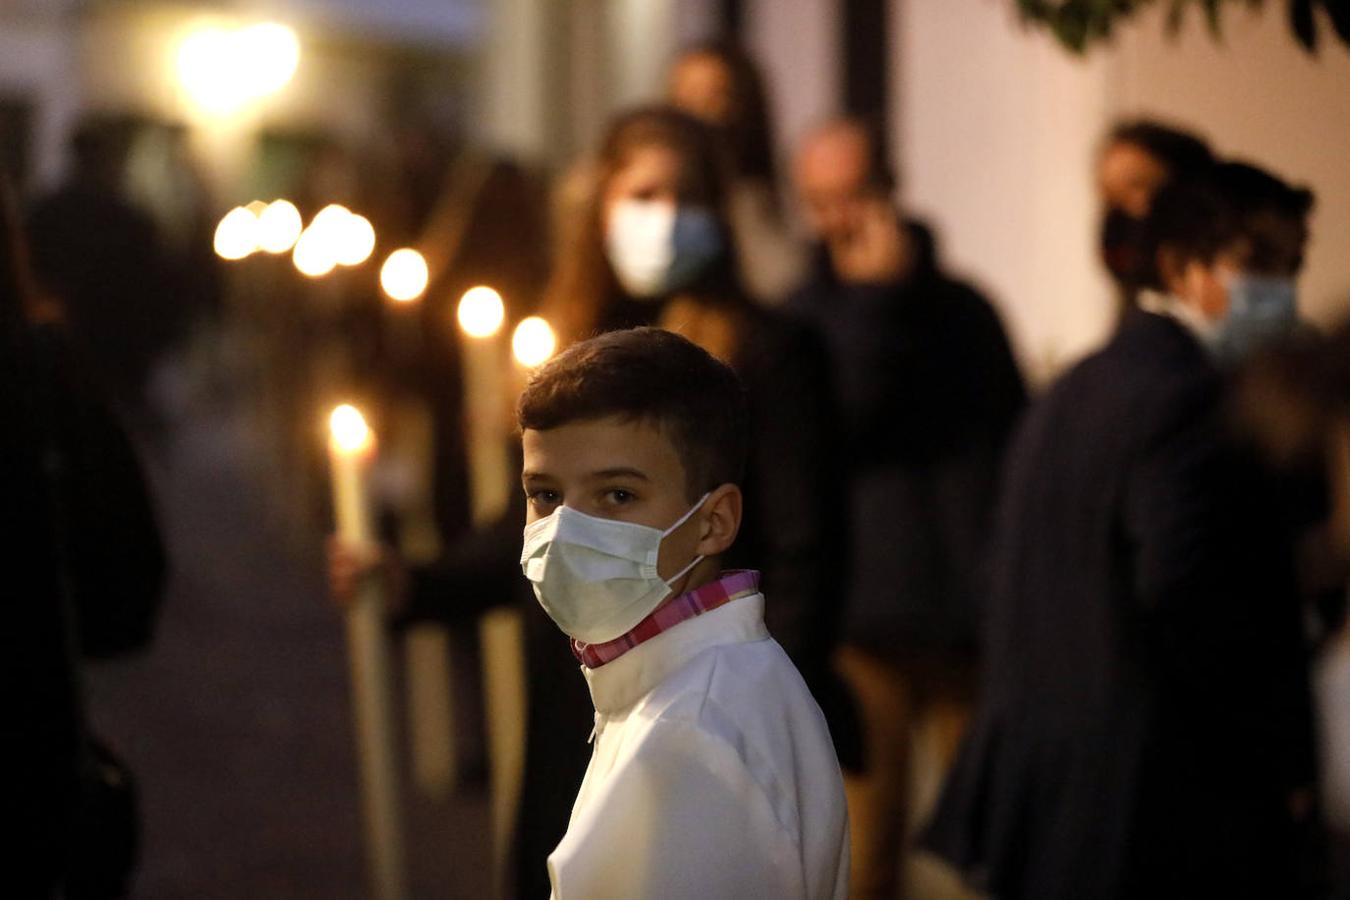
486	369
352	447
481	314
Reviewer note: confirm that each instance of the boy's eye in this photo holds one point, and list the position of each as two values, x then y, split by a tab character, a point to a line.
619	497
542	498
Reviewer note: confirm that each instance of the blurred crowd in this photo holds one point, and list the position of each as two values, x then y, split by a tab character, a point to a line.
1115	611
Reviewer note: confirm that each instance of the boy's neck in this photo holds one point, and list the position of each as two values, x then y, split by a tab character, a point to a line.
706	572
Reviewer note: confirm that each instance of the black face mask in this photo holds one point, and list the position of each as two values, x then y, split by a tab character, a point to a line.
1124	247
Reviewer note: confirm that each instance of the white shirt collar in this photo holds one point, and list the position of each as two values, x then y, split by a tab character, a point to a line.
619	684
1184	314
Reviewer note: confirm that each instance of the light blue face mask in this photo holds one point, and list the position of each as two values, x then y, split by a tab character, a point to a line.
1260	310
659	248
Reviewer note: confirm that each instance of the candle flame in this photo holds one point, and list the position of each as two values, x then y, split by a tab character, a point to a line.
350	432
404	275
533	342
481	312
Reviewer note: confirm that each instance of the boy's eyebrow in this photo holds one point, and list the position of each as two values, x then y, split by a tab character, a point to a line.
620	472
529	475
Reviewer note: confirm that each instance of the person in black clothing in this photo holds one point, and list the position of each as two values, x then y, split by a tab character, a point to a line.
100	256
1144	724
928	391
84	570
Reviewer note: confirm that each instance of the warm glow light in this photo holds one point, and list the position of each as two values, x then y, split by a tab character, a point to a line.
270	54
223	69
332	220
237	234
533	342
356	241
404	275
279	226
481	312
349	430
315	253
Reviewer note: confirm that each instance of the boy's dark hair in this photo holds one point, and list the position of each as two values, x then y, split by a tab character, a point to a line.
1274	214
1194	218
650	375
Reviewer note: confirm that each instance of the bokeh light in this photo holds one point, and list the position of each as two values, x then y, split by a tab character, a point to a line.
349	430
404	275
222	69
315	253
481	312
356	241
533	342
279	226
237	235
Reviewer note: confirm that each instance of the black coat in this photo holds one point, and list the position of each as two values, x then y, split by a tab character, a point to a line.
928	392
1144	711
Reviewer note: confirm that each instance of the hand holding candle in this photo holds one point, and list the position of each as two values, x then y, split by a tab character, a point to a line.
352	446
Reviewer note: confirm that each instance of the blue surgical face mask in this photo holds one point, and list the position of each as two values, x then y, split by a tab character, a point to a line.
1260	310
658	248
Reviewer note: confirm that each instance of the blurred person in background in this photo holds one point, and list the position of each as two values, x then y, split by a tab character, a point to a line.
1144	726
1137	158
84	568
928	390
718	83
100	255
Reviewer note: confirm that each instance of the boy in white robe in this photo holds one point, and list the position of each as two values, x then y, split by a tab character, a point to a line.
713	774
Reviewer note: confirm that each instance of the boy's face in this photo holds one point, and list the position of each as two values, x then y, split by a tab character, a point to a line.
614	468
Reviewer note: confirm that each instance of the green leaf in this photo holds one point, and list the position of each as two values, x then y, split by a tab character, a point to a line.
1339	13
1301	21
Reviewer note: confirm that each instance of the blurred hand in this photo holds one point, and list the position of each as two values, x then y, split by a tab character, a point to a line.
351	564
876	249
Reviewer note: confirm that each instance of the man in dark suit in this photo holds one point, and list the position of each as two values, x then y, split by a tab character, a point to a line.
1143	729
927	390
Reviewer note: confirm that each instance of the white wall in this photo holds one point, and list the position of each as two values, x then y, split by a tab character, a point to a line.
994	132
797	45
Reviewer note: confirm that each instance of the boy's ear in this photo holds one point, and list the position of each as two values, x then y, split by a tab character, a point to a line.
721	518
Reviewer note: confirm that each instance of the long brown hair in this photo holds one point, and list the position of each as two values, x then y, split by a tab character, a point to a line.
583	287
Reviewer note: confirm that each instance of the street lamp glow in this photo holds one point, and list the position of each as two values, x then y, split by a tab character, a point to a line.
268	54
315	253
279	226
349	431
237	234
222	69
481	312
356	241
533	342
404	275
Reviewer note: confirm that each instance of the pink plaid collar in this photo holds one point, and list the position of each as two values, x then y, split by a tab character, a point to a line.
729	586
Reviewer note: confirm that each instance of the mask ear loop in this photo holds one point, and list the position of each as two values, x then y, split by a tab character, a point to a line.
685	518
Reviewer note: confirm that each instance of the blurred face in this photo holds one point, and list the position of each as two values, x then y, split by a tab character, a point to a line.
613	468
1128	177
1204	287
651	174
701	86
835	182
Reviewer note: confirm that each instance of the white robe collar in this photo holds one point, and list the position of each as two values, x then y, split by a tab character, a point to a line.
619	684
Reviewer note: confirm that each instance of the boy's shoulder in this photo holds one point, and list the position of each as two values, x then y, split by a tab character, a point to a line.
732	689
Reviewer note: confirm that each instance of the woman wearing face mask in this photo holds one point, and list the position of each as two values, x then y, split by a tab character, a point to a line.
655	248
